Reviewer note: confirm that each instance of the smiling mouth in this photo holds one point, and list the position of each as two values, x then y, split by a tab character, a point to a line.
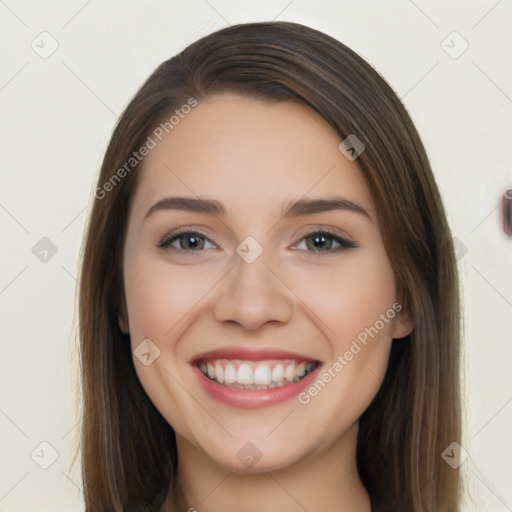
266	374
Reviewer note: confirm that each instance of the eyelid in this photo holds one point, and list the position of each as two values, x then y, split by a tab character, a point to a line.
328	230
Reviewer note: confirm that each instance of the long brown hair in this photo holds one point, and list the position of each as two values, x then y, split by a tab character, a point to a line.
128	450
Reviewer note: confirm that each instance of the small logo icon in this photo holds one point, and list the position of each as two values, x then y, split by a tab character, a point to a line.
146	352
249	455
44	455
454	45
45	45
44	249
249	249
454	455
351	147
460	248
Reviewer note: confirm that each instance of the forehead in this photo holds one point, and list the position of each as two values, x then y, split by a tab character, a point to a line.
246	151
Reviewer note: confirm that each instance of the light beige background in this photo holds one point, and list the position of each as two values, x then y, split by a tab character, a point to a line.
57	112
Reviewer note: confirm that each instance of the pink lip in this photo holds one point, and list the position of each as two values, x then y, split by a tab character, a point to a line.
252	398
249	354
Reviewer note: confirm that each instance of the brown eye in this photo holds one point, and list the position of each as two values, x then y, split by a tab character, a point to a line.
186	241
323	241
319	242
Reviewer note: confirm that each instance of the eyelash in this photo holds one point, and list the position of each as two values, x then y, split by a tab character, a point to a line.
343	242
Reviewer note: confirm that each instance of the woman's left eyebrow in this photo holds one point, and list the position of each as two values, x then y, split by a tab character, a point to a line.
308	206
305	206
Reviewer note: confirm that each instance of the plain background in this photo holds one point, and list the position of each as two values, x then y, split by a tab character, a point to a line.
57	113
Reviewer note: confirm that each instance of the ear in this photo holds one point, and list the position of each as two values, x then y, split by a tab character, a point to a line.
403	325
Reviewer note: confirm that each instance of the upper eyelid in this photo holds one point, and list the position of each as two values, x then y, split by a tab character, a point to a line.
334	232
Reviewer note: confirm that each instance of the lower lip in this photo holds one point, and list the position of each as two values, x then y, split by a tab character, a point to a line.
253	398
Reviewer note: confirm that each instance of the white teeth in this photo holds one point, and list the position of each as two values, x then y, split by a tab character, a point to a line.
278	373
219	372
289	373
244	374
256	375
230	374
262	376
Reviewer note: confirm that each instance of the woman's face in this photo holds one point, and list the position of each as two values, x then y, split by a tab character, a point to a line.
262	261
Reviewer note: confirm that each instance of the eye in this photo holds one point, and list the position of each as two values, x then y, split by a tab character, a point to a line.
186	241
316	241
324	241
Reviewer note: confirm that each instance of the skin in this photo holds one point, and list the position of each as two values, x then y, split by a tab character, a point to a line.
255	157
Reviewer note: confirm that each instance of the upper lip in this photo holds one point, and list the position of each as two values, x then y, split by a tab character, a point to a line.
250	354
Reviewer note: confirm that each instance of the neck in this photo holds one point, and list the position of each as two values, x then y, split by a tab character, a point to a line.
325	481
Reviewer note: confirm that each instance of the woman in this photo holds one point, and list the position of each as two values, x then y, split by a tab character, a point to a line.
269	311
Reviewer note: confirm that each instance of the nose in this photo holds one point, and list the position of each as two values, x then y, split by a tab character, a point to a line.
252	295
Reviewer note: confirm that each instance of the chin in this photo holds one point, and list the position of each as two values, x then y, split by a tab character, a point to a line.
246	457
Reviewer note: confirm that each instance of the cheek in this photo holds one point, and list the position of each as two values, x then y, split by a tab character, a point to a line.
360	340
160	295
350	297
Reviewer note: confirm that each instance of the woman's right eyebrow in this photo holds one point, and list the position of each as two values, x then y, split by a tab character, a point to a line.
209	206
304	206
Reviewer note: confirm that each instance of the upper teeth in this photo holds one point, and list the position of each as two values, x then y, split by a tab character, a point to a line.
256	373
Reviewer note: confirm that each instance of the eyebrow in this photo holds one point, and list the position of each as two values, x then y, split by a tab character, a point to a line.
291	209
311	206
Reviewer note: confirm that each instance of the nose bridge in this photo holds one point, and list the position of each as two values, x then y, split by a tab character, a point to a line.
252	295
252	271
